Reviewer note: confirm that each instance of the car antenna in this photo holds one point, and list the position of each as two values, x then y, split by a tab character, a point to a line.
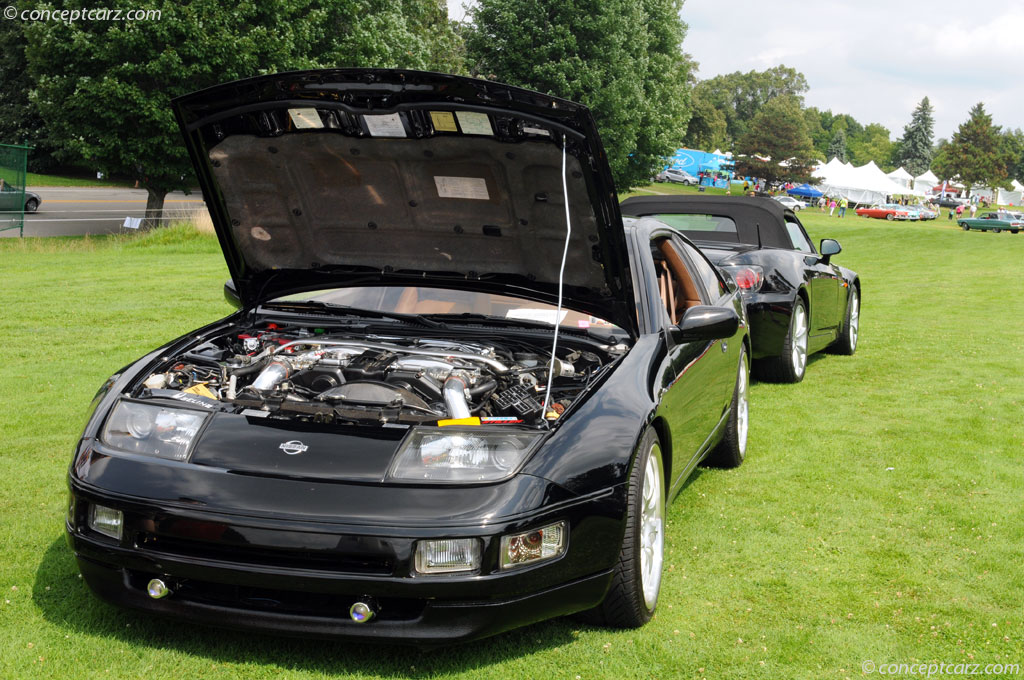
561	277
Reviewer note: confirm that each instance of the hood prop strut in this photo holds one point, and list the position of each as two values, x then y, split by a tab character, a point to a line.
561	277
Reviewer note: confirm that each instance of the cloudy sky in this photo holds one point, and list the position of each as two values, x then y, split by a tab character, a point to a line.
873	59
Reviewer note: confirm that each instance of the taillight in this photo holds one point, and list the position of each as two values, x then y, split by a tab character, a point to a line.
747	277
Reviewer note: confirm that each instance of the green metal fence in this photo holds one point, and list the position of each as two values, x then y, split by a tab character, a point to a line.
13	161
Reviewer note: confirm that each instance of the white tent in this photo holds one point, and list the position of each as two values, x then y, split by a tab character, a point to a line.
1013	196
901	177
866	184
925	181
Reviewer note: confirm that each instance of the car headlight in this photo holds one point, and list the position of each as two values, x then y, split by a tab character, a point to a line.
448	454
152	430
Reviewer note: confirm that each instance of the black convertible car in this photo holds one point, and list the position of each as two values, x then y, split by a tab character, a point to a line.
457	394
798	301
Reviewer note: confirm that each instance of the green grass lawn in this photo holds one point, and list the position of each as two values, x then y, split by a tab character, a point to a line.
878	516
36	180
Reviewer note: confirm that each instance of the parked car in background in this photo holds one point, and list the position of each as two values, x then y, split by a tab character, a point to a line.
924	212
10	200
678	176
798	301
790	202
408	431
949	201
884	211
997	221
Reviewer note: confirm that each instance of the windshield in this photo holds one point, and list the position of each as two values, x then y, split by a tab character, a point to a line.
423	300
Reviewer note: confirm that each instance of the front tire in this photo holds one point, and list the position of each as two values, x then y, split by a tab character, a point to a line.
791	365
996	231
965	226
730	452
636	581
890	217
31	205
847	341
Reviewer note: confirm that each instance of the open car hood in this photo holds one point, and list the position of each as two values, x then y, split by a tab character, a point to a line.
351	177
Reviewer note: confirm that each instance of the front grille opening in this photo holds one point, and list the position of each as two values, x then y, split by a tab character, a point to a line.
347	561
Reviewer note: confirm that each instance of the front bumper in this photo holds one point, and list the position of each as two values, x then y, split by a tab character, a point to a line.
301	577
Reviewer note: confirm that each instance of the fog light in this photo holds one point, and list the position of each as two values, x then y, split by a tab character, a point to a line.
157	589
106	521
361	612
447	555
538	545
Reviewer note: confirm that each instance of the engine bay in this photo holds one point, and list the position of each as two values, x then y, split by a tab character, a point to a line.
326	376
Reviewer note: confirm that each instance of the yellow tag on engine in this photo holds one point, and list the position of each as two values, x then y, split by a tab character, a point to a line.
458	421
201	390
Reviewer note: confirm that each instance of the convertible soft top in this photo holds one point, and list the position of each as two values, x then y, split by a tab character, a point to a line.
759	221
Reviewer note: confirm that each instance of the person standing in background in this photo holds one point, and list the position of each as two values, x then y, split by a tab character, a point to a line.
831	207
842	206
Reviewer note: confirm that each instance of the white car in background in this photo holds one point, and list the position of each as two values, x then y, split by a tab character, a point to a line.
679	176
790	202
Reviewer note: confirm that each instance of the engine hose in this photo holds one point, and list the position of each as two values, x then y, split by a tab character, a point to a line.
254	367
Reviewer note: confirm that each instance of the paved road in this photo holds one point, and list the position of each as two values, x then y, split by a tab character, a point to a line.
75	211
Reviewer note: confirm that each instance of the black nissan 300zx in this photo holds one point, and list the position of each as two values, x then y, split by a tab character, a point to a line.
798	300
458	391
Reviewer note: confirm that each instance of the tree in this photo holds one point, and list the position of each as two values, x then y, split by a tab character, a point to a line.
871	144
740	96
914	150
20	123
976	154
1013	144
104	87
621	58
706	129
779	133
837	147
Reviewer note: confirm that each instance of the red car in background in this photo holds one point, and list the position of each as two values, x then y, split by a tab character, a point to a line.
887	212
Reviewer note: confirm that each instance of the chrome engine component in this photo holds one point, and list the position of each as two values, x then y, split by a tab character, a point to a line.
299	374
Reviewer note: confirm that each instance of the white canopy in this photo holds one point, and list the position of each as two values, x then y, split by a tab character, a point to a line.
901	177
866	184
926	180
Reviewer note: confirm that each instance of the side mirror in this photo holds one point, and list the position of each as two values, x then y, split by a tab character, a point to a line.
705	322
828	248
231	294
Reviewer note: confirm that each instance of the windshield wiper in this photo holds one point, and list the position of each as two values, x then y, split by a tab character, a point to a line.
417	319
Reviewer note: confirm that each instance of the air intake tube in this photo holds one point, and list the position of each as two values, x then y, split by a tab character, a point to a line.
454	392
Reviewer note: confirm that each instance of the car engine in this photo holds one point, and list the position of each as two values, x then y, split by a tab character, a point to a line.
321	376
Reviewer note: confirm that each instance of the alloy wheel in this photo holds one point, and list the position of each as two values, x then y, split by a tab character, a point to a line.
652	529
799	350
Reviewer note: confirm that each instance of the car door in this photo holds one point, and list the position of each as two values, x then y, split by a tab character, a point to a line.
9	199
823	283
699	376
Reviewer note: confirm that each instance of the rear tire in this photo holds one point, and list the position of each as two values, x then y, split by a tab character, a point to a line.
730	452
791	365
846	343
996	231
636	581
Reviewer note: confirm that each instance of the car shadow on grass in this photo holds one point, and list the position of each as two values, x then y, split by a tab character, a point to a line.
67	603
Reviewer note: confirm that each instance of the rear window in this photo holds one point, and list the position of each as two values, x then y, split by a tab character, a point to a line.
702	227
